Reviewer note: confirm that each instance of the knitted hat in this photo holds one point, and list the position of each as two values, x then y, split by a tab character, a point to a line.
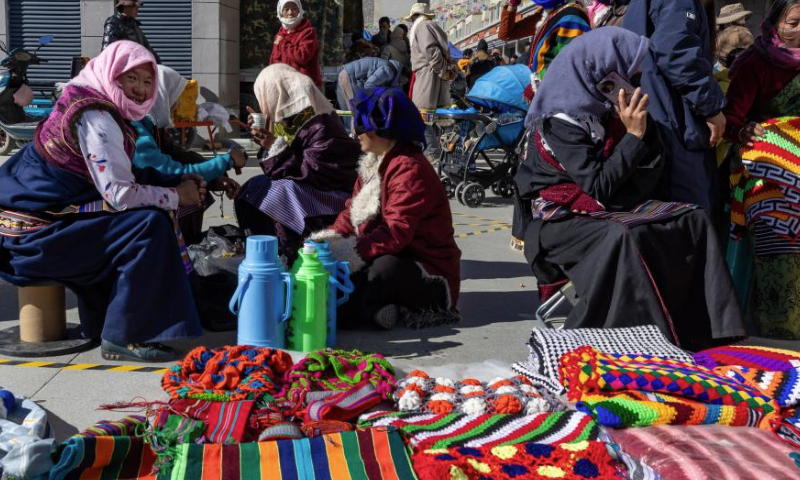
733	13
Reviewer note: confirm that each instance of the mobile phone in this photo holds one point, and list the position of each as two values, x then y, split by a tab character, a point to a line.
610	86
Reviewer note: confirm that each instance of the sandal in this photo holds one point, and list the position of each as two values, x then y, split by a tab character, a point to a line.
138	352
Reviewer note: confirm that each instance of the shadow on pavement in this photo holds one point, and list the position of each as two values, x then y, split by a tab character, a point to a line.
485	308
60	428
478	270
405	343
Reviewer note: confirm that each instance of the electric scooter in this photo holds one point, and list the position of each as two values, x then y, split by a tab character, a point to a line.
19	113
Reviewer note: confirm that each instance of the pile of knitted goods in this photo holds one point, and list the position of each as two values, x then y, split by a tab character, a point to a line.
26	442
419	392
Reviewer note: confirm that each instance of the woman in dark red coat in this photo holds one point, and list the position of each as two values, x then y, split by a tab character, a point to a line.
296	43
396	230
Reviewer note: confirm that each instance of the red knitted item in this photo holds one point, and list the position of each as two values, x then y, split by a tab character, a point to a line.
529	461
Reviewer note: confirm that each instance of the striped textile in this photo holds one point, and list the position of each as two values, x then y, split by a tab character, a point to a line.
104	458
644	409
762	358
132	425
431	430
225	421
290	203
373	454
766	243
17	224
708	452
648	212
344	406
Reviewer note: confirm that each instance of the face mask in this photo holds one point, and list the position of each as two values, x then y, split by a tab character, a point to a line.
788	31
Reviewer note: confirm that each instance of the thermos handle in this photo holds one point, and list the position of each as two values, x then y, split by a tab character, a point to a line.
343	270
237	295
288	279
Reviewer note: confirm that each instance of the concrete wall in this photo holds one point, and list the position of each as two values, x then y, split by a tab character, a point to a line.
215	48
93	15
4	34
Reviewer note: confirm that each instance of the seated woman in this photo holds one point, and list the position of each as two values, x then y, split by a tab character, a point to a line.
156	148
397	230
72	211
310	165
588	171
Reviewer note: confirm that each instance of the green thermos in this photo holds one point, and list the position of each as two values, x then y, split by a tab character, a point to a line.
308	327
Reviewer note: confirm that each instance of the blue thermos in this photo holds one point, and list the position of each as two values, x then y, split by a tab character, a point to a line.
339	274
263	298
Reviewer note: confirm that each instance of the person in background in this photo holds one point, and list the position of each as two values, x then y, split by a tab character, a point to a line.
686	101
397	49
384	31
430	58
309	167
296	43
482	63
513	59
92	222
733	32
157	149
361	49
367	73
465	61
525	56
397	229
497	55
765	84
123	25
593	163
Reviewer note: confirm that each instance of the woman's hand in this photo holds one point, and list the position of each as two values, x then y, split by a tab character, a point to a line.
261	136
633	114
750	133
278	39
239	158
228	185
189	192
717	126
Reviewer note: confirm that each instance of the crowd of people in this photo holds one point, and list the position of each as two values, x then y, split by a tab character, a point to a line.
622	189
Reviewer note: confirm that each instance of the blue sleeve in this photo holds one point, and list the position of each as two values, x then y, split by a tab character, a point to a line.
680	57
149	155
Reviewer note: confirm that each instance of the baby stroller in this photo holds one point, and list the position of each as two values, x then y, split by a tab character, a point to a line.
482	148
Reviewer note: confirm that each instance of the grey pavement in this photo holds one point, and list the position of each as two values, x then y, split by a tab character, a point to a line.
498	300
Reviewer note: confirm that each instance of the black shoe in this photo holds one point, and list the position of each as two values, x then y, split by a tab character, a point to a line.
138	352
416	320
387	317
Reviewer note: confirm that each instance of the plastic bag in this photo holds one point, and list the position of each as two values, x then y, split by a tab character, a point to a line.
704	452
221	250
216	113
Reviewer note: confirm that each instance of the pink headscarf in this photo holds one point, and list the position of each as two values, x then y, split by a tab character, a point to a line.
102	71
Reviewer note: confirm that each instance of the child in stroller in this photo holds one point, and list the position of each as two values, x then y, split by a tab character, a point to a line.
481	148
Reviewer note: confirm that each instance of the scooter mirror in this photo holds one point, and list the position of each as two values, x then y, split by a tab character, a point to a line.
46	40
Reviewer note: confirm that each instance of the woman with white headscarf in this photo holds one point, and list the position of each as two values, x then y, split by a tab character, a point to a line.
296	43
156	149
310	164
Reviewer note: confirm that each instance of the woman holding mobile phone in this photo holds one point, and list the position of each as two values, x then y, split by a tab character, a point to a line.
594	161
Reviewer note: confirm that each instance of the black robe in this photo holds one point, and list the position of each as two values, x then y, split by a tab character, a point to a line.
668	272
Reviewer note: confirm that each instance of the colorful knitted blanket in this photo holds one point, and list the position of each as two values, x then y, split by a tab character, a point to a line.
373	454
547	347
587	370
418	392
106	458
707	453
336	370
130	426
761	358
431	430
767	188
238	372
643	409
532	461
783	387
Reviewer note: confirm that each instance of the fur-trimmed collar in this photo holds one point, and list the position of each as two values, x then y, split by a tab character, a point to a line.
366	205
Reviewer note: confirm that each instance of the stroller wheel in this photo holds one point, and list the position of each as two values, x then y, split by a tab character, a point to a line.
458	191
505	187
449	187
472	195
494	187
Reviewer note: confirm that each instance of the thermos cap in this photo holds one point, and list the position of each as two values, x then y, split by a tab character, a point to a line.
309	247
261	248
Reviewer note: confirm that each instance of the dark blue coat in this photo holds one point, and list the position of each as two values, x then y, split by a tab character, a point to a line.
678	72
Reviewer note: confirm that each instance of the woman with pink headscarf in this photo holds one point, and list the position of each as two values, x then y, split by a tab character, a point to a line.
73	210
